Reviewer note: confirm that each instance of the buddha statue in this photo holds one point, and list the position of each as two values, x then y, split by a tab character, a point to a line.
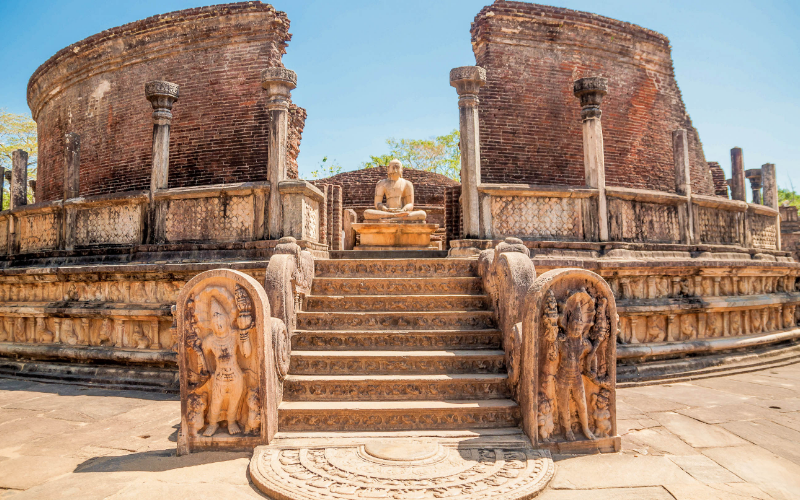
399	206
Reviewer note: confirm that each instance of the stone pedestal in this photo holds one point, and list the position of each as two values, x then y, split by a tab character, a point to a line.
393	235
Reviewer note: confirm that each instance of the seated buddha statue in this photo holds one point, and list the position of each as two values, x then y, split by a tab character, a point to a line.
399	193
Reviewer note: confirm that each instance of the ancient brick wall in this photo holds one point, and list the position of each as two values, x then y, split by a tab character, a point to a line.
95	88
718	178
452	212
530	124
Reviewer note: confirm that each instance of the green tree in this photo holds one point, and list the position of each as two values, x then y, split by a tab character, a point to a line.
788	196
325	169
17	132
439	154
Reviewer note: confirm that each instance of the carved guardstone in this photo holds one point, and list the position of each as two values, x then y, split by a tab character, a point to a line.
567	389
229	360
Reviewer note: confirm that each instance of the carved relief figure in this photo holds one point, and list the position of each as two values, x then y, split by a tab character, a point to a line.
688	327
550	367
140	340
105	333
43	335
601	414
573	350
656	328
788	316
399	195
68	334
227	382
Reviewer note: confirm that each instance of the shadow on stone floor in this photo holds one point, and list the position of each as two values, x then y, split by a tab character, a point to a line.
17	384
155	461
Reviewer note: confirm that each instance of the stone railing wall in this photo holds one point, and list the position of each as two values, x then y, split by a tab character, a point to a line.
537	212
555	213
207	214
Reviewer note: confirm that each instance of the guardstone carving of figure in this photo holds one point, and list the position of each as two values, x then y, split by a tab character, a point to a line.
570	331
225	358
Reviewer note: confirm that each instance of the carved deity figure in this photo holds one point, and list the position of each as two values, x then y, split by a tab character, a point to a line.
43	334
601	414
574	348
549	367
399	193
788	316
227	382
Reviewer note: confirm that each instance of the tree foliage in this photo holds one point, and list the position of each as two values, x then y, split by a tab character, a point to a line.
788	197
439	154
17	132
326	169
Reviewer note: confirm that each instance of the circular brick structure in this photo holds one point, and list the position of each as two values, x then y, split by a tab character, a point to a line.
530	124
95	88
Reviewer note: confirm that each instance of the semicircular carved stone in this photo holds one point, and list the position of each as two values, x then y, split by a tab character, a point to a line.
228	376
402	469
567	390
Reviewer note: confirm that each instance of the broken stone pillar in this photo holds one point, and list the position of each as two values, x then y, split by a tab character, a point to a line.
468	80
349	232
737	175
72	157
278	82
590	91
683	183
162	95
769	183
32	187
19	178
754	176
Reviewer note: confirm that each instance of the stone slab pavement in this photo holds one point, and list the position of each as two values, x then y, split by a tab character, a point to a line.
732	437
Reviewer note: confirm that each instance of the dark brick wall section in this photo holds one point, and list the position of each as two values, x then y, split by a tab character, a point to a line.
331	223
358	186
219	131
452	212
530	124
718	178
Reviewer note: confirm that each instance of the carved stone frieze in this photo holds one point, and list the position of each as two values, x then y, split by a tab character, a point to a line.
348	366
38	232
415	268
311	420
468	472
643	222
114	224
387	340
717	226
534	217
354	286
472	320
763	230
223	218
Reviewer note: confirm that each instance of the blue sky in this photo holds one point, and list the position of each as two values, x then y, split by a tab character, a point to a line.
373	69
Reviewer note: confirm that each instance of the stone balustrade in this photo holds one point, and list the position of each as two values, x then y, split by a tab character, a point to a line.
207	214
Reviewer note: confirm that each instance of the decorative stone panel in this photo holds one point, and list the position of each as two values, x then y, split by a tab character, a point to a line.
38	232
3	235
311	219
717	226
643	222
536	217
114	224
223	218
762	231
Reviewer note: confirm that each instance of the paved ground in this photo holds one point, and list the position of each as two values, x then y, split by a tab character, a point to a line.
731	437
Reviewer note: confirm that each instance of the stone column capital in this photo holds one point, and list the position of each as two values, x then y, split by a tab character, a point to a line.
279	83
467	81
162	95
590	91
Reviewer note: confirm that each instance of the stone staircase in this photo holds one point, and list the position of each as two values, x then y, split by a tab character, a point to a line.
396	345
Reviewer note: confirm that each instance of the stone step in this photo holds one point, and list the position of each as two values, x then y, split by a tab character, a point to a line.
397	286
395	387
411	320
328	416
396	362
396	268
316	303
307	340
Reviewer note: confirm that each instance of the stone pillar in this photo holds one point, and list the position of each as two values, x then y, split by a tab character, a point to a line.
737	175
162	95
591	91
683	180
754	176
72	162
3	173
769	183
278	82
32	188
19	178
468	80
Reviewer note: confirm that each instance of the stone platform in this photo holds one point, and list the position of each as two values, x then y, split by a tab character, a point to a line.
394	234
731	437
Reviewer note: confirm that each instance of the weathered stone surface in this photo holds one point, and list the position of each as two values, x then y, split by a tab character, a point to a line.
398	469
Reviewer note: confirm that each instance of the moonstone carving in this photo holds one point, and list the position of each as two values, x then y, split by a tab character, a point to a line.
229	379
567	381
